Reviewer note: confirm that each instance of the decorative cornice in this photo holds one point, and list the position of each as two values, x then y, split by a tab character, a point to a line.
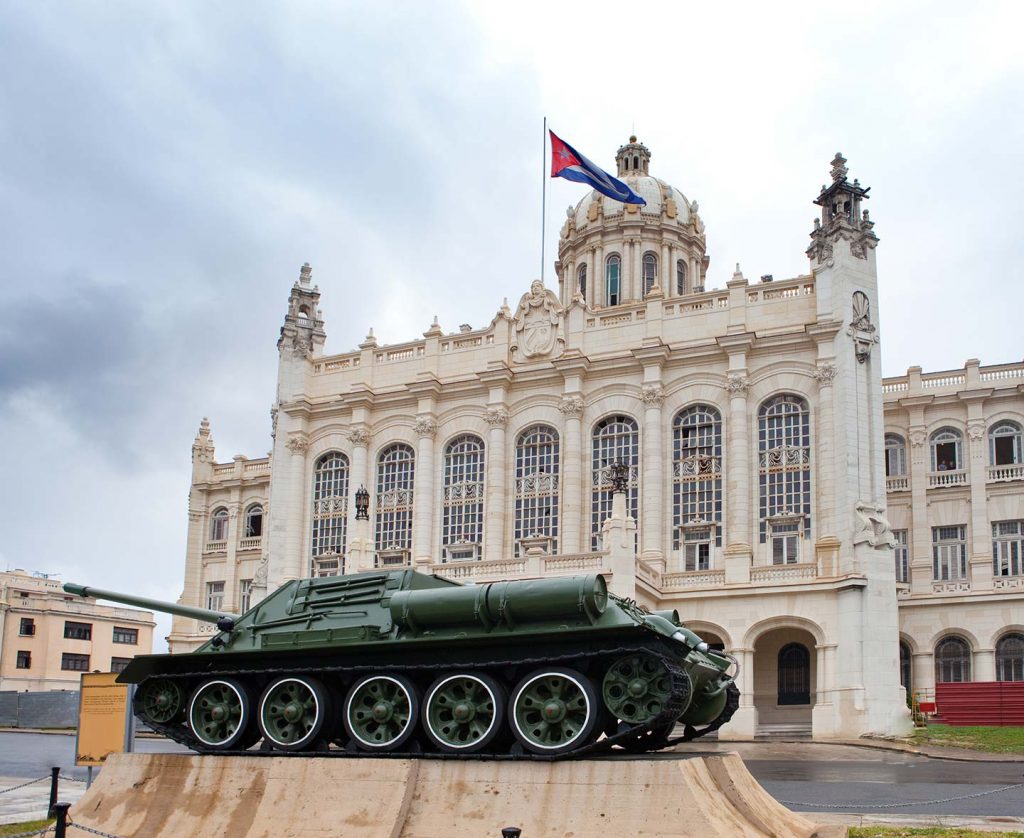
825	374
737	384
652	395
425	427
571	406
496	417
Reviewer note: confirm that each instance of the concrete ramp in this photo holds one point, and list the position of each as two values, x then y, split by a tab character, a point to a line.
174	795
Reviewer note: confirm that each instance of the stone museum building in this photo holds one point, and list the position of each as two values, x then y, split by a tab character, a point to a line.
847	538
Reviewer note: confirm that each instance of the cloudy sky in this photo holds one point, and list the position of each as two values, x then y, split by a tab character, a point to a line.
166	167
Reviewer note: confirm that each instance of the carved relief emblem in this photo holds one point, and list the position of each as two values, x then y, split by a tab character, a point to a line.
571	406
538	325
737	384
825	374
652	395
425	426
298	442
496	417
359	437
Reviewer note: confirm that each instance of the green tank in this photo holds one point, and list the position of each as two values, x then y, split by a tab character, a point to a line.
400	662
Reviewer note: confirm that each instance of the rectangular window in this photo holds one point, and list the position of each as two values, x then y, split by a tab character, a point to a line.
119	664
902	556
697	550
74	663
24	660
27	627
78	631
244	595
1008	548
949	553
126	635
785	543
326	567
215	596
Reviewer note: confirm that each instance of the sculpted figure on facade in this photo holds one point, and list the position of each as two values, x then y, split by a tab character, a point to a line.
862	330
873	527
695	219
538	325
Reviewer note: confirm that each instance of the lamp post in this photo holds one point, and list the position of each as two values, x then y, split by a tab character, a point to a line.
362	504
620	477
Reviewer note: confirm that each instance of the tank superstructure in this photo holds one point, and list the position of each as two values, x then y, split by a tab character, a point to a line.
401	662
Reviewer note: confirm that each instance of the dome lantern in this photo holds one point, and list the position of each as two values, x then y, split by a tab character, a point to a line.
633	158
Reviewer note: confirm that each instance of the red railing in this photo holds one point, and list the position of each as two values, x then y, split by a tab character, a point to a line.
996	703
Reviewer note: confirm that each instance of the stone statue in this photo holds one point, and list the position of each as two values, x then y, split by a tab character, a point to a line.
695	219
538	324
873	527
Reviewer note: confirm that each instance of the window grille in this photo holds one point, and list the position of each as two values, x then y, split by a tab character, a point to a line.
463	515
1008	548
119	664
949	553
784	460
219	525
74	663
615	439
244	595
215	596
1010	657
680	277
77	631
612	271
393	531
537	476
697	472
1004	444
794	664
902	556
947	450
254	521
952	661
330	509
650	270
895	456
129	636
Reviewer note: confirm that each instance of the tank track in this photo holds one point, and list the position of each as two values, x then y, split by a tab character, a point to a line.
634	739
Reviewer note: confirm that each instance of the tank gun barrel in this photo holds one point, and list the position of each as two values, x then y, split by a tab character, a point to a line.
225	622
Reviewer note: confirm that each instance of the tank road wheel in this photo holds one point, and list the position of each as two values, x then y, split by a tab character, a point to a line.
160	701
220	714
292	713
636	688
381	711
554	710
464	713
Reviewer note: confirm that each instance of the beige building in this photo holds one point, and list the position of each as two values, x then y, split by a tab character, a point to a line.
48	638
757	431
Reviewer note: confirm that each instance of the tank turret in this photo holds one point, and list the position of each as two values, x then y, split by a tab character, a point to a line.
403	662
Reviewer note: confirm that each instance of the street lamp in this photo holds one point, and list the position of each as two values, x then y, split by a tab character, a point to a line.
362	504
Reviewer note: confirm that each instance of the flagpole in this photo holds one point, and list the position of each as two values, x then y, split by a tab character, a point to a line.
543	195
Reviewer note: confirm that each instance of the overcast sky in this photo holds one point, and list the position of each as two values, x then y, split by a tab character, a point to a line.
166	167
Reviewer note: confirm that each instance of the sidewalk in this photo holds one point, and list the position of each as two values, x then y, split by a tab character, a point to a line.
924	821
30	802
931	751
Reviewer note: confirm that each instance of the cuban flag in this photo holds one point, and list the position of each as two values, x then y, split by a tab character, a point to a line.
567	162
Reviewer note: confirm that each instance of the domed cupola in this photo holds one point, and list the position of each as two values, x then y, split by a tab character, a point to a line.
610	253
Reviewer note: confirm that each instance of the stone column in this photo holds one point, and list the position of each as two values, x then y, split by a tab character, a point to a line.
572	516
231	559
425	494
825	451
666	273
743	724
593	279
289	501
653	478
739	487
637	284
494	521
359	551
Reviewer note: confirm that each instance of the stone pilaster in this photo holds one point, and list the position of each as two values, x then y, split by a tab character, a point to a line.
494	522
976	454
652	532
824	374
423	510
359	551
572	516
739	485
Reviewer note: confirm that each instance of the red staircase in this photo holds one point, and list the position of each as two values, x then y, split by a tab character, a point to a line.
993	703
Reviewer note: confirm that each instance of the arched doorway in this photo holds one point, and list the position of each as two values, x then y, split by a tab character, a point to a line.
784	682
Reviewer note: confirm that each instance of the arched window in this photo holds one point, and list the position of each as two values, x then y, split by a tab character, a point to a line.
947	450
393	531
581	280
794	674
1004	444
219	525
784	460
330	513
680	277
905	667
462	528
952	660
1010	657
254	521
650	268
895	455
537	487
616	439
611	282
697	485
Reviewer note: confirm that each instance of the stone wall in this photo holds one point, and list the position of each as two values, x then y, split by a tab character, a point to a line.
50	709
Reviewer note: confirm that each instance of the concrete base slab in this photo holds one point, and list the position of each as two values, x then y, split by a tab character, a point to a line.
157	795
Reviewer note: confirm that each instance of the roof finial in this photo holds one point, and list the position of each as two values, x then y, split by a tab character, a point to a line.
839	169
305	274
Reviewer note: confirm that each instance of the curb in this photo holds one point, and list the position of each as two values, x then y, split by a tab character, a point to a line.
957	755
981	824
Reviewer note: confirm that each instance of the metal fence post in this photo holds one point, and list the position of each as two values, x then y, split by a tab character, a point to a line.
511	832
61	811
54	773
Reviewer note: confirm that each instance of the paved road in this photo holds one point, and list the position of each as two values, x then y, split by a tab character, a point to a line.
863	780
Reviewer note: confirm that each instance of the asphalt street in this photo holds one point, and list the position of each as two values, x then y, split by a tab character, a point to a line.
806	776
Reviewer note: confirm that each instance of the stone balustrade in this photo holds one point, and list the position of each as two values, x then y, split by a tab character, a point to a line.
1001	474
897	483
783	573
939	479
692	579
250	543
215	547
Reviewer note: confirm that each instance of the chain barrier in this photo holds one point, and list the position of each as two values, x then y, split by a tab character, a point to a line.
899	805
90	829
29	783
42	831
70	779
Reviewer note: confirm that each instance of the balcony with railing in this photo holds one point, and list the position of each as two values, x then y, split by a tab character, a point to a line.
253	543
897	483
1006	473
215	547
783	574
524	567
942	479
690	579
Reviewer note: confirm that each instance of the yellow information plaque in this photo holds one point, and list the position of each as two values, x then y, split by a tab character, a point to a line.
104	718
